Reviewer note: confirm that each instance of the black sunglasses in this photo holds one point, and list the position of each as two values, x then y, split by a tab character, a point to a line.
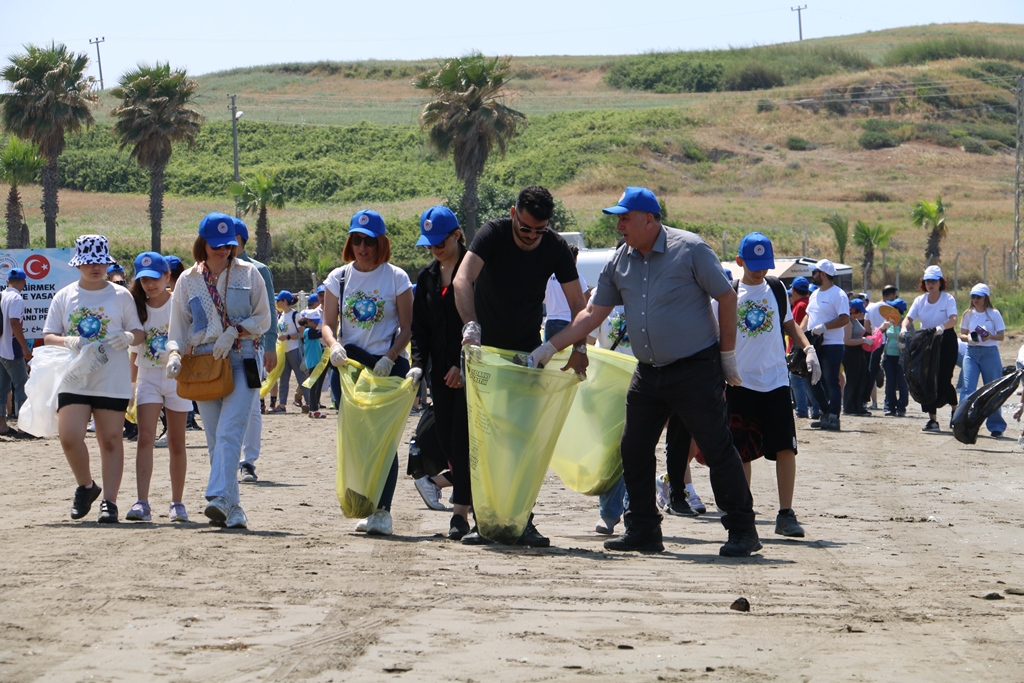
358	239
526	230
440	245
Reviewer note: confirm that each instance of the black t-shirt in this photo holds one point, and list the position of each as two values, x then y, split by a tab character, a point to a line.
510	290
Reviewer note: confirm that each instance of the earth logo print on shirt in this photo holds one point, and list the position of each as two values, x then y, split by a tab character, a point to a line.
755	317
89	323
363	309
282	325
156	343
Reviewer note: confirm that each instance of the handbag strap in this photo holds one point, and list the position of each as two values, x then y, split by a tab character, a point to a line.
211	285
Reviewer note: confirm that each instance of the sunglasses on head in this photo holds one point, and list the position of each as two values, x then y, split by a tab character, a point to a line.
358	238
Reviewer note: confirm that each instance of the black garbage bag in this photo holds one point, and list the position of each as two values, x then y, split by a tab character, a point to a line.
921	365
426	457
982	404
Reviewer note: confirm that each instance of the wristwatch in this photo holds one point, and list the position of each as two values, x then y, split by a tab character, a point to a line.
580	348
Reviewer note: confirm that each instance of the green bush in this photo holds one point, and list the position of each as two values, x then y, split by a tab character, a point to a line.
666	73
754	76
764	105
953	47
877	140
974	145
798	144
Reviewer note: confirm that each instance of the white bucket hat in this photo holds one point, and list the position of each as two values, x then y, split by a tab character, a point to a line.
91	249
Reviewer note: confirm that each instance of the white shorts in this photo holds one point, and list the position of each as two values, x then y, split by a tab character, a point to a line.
154	387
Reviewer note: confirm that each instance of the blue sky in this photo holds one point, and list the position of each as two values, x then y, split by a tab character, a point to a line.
213	35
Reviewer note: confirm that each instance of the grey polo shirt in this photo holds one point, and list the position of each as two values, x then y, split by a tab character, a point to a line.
667	295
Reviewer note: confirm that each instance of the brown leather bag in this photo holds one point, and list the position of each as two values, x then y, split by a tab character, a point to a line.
203	378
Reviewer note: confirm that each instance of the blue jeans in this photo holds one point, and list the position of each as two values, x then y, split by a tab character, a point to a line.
896	388
614	503
13	374
826	391
553	327
799	390
984	361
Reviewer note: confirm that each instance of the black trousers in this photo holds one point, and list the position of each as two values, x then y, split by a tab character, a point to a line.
855	362
947	363
693	389
451	419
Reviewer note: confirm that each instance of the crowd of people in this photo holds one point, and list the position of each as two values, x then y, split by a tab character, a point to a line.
728	365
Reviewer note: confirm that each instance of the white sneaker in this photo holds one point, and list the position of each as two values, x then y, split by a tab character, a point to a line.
217	510
178	513
695	502
606	526
236	518
160	443
379	523
430	493
663	490
361	525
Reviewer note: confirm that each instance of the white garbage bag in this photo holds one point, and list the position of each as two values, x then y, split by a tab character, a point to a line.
38	415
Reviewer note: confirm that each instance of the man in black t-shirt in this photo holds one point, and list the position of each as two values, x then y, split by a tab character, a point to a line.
500	286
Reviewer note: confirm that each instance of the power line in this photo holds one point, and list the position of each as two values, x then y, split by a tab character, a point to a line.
99	61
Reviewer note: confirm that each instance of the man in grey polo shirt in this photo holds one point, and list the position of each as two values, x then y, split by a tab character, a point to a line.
666	279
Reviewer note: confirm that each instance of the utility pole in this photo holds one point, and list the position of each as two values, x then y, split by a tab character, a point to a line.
234	132
799	18
1019	185
99	61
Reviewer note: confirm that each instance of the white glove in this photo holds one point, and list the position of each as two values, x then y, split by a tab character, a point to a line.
818	330
120	341
729	369
541	355
383	367
338	355
939	329
812	364
471	334
74	343
415	374
222	347
173	368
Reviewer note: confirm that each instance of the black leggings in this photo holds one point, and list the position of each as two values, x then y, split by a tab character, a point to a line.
947	363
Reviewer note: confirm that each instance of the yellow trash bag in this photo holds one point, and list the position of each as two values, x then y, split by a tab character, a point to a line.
276	373
515	417
319	369
587	457
371	419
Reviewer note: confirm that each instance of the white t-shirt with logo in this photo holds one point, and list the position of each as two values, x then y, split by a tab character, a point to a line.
97	315
555	302
825	305
155	329
991	320
369	313
13	306
933	315
760	351
286	325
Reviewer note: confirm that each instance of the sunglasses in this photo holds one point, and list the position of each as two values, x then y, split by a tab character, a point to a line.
223	246
359	239
527	230
440	245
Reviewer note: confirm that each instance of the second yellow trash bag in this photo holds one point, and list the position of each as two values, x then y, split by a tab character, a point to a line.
276	373
515	417
371	417
587	457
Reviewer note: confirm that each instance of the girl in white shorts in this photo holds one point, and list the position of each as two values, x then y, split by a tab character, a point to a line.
153	390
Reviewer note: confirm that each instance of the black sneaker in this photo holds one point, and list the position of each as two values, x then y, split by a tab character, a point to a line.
84	498
458	528
248	473
131	432
931	426
474	538
531	538
639	541
108	513
741	543
786	524
680	508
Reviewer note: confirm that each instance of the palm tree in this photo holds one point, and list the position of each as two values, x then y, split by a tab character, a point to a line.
468	118
931	216
840	225
155	112
869	238
49	97
20	163
256	196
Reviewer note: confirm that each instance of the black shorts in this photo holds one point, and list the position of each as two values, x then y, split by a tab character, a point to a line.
118	405
761	422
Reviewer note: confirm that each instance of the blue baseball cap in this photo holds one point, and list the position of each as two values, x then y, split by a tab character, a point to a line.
321	289
115	268
814	288
636	199
801	284
150	264
367	222
756	252
436	224
16	274
172	261
858	305
285	295
241	230
311	299
900	305
218	229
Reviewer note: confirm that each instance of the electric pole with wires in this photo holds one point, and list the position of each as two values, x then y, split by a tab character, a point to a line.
799	18
99	62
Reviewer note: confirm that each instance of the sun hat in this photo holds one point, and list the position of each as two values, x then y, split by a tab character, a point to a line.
241	229
890	313
980	289
16	274
801	285
825	266
218	229
150	264
857	304
932	273
367	222
91	250
285	295
756	252
636	199
436	224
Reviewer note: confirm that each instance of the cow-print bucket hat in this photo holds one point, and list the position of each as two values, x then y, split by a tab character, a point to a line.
90	249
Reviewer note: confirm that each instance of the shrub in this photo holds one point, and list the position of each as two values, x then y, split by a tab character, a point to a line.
974	145
953	47
877	140
666	73
798	144
754	76
764	105
875	196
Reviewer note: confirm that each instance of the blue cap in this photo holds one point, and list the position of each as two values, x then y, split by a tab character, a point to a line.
813	288
16	274
436	224
311	299
801	284
285	295
115	268
321	289
900	305
172	262
241	230
150	264
727	273
218	229
858	305
756	252
368	222
636	199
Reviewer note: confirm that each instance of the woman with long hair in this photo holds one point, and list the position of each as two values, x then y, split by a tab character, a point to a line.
982	328
373	301
154	391
936	310
220	306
